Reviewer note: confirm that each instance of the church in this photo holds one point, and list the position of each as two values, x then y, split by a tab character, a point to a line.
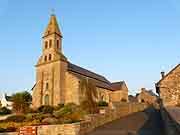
58	80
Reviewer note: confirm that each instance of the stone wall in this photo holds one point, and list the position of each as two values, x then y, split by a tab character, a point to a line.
169	88
91	122
120	110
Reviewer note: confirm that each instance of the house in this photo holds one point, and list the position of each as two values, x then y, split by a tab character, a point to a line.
147	96
6	101
58	80
132	99
168	87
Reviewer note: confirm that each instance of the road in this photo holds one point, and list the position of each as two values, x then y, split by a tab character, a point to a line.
148	122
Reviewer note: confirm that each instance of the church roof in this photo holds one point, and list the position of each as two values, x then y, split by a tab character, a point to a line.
87	73
52	27
101	81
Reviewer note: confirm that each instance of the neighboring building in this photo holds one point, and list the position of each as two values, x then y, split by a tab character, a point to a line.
6	101
147	96
58	80
132	99
169	87
120	92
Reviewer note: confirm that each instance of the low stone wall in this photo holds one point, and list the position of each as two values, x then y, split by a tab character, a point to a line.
120	110
172	127
14	133
92	121
67	129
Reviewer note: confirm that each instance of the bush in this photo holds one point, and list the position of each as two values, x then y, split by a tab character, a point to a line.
66	110
59	106
4	111
102	103
16	118
50	121
2	130
46	109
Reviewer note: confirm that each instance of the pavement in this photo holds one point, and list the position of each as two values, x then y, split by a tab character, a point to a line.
148	122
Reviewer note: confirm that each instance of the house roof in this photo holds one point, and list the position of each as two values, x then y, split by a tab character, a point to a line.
117	85
167	74
8	98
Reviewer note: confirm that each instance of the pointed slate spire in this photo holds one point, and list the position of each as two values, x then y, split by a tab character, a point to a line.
52	27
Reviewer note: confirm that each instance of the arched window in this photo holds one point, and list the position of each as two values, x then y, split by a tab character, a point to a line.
46	100
50	43
45	58
58	44
50	57
46	44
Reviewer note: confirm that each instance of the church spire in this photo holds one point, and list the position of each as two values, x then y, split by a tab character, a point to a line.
52	27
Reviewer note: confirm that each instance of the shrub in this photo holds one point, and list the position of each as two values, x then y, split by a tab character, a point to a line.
102	103
16	118
50	121
46	109
59	106
4	111
2	130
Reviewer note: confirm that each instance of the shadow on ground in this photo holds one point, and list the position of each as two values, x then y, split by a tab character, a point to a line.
148	122
154	125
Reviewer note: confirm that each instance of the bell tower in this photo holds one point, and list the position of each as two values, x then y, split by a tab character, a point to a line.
51	68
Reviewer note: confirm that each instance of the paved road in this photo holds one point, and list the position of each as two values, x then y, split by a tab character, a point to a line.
142	123
154	125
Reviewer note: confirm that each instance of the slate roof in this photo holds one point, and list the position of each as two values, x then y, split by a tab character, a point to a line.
87	73
101	81
117	85
8	98
167	75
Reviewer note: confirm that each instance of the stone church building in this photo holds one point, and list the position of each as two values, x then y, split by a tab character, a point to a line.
58	80
169	87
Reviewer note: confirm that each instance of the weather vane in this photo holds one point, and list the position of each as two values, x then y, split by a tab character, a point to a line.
52	11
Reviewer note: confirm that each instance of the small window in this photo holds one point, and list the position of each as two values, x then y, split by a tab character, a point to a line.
50	57
50	43
46	100
45	58
46	44
47	86
58	44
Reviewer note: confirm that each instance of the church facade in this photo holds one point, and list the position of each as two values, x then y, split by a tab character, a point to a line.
58	80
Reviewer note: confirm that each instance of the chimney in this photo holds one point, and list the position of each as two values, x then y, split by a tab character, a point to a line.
162	74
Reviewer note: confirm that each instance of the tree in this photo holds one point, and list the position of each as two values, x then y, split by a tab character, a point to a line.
89	92
21	102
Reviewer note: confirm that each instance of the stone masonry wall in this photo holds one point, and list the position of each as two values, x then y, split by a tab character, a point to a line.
170	88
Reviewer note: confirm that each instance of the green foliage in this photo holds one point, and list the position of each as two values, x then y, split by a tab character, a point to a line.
50	121
102	103
67	109
21	102
16	118
88	89
2	130
4	111
46	109
59	106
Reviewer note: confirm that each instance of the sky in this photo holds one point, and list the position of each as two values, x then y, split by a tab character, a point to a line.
130	40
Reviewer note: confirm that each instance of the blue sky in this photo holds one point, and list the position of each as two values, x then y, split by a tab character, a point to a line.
131	40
